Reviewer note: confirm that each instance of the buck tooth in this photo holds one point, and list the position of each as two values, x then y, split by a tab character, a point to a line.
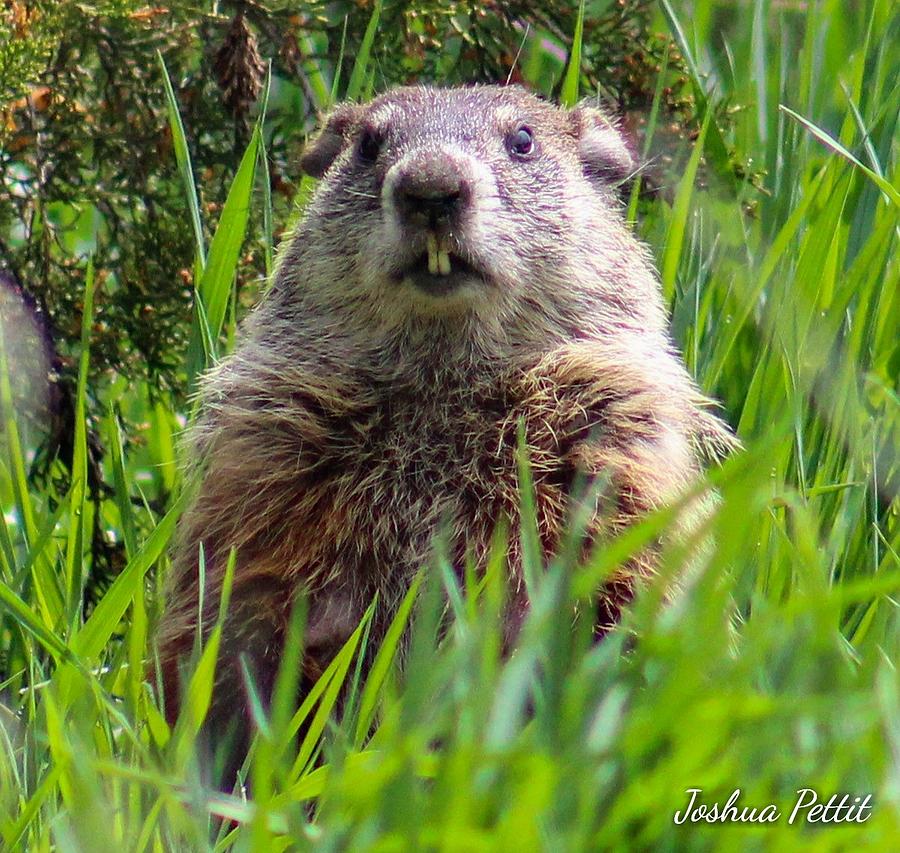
433	261
444	262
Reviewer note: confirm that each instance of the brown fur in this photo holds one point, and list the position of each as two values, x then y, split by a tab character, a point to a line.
359	415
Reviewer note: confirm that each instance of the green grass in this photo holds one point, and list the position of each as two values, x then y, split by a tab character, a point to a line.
775	672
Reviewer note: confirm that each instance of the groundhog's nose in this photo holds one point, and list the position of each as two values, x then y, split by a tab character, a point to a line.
431	192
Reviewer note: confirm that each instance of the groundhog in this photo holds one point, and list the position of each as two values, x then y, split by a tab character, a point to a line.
463	267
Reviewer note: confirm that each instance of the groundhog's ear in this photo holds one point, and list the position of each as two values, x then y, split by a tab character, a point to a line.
322	150
604	153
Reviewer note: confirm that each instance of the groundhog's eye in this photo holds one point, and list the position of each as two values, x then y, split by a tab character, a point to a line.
520	143
369	146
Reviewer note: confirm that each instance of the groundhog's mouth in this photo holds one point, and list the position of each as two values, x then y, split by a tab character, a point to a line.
439	272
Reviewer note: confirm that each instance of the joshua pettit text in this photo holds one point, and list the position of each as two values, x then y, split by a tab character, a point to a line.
808	807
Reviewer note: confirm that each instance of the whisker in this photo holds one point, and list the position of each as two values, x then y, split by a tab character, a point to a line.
361	194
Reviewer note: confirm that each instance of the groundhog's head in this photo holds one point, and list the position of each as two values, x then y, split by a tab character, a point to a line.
434	201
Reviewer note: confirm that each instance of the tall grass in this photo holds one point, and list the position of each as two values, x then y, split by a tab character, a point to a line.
776	671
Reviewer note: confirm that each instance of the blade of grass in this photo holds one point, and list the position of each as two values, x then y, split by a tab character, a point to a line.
33	623
759	49
284	694
216	284
863	132
717	150
383	659
356	86
137	630
268	218
268	228
568	95
339	668
680	211
120	484
12	834
198	695
532	555
75	570
891	194
776	252
183	159
89	642
339	65
317	88
38	551
648	136
678	32
7	549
